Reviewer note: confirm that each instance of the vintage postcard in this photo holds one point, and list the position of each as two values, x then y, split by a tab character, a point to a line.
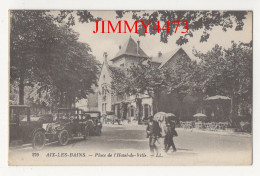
130	87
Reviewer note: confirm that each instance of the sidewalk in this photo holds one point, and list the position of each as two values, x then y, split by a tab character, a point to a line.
194	130
226	133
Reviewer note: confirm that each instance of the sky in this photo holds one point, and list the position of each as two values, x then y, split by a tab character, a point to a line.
151	44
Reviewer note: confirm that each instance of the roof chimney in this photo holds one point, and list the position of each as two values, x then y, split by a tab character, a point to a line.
105	55
159	54
138	45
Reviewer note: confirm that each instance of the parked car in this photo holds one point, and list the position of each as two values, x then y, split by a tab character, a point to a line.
66	126
93	122
23	130
112	118
46	118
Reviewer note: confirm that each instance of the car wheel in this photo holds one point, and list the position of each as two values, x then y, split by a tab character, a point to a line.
39	140
63	137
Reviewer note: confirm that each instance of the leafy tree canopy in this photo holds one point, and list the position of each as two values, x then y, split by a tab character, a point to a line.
197	20
226	71
47	54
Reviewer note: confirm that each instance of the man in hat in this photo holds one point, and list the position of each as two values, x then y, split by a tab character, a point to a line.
153	132
170	132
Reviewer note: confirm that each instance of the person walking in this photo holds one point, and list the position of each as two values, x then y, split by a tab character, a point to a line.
170	132
163	127
153	131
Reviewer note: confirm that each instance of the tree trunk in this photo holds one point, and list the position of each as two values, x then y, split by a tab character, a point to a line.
181	109
234	112
154	106
123	110
155	103
180	99
139	109
21	91
234	105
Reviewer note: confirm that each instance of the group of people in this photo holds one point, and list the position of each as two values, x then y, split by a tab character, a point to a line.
165	129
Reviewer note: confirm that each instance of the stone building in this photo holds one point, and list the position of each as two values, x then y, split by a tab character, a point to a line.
131	53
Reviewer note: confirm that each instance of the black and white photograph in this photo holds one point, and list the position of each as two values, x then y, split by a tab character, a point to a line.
130	87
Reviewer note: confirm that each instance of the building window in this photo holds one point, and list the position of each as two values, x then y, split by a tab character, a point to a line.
104	92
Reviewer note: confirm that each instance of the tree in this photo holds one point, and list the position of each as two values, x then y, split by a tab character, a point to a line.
205	20
227	72
73	79
24	43
124	83
182	82
47	55
152	81
142	79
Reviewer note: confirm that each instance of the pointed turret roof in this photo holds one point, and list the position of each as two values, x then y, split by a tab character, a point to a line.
131	48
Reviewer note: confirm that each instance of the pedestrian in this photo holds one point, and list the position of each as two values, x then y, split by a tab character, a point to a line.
170	132
163	126
153	131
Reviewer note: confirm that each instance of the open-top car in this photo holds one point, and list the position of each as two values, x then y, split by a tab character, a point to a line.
24	130
67	125
93	122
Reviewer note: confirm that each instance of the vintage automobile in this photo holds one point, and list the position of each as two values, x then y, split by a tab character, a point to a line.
112	118
93	122
22	130
67	125
46	118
